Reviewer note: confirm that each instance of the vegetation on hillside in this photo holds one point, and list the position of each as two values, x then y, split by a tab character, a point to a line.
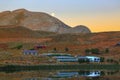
99	44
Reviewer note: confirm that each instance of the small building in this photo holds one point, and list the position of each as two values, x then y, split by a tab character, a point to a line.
90	58
30	52
66	59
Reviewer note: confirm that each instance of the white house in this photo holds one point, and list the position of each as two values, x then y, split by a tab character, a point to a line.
90	58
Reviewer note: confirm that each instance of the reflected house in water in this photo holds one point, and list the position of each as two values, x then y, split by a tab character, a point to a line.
69	74
65	74
90	73
73	74
89	58
31	79
30	52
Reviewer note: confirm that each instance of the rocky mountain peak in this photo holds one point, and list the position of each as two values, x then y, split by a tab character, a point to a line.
20	10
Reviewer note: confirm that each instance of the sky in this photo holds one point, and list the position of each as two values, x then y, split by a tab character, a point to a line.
98	15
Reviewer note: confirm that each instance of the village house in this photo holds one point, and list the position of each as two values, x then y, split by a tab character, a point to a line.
61	57
30	52
89	58
66	59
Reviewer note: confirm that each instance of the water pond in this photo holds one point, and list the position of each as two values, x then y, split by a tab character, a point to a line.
62	75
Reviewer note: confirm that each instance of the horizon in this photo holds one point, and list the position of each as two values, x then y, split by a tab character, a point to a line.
97	15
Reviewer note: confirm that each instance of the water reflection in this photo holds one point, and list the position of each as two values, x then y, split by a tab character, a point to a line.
31	79
73	75
69	74
62	75
90	73
66	74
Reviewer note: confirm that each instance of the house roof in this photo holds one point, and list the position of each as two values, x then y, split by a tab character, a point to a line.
92	57
87	57
64	57
56	54
68	60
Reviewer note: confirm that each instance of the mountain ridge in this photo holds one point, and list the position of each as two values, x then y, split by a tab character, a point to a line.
37	21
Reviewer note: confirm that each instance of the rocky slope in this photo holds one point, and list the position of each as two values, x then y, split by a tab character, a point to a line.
37	21
78	29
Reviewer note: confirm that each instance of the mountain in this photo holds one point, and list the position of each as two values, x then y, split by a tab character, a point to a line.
16	32
22	32
37	21
78	29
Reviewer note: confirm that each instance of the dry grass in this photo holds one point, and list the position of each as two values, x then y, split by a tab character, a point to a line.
76	43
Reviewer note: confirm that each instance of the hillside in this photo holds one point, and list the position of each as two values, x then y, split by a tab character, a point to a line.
76	44
105	39
21	32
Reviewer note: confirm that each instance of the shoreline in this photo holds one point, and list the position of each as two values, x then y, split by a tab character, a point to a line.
17	68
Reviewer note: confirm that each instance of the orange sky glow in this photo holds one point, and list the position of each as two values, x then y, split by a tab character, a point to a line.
98	15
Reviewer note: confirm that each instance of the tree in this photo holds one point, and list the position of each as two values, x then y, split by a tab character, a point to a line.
83	60
107	50
95	51
66	49
55	49
18	46
102	59
87	51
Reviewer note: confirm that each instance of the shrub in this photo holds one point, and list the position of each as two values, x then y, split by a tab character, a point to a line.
83	60
18	46
87	51
110	60
102	59
95	51
107	50
66	49
54	49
